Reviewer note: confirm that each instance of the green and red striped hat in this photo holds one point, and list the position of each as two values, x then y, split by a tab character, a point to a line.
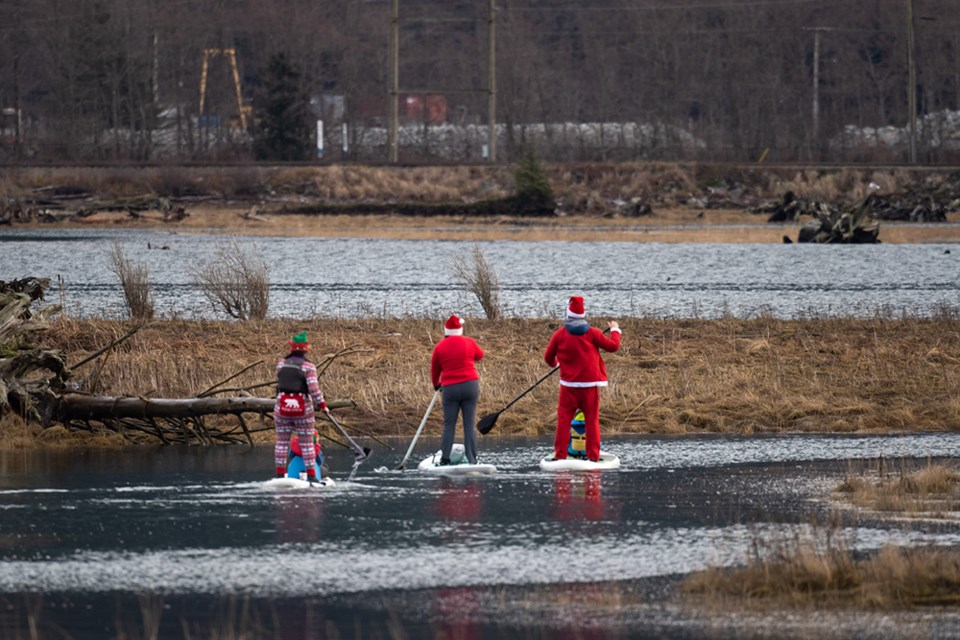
299	342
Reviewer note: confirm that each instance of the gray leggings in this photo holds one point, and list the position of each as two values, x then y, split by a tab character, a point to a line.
460	398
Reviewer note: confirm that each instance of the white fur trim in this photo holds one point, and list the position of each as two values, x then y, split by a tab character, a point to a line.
571	314
583	385
453	332
617	329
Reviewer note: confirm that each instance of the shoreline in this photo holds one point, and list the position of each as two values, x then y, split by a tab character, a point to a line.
676	225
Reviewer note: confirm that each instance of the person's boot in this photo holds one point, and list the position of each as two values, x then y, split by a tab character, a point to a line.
312	477
281	472
444	462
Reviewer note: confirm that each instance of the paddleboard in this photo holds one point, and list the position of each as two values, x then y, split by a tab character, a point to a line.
297	483
464	468
607	461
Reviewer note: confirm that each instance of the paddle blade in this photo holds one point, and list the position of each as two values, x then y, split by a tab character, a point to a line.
487	422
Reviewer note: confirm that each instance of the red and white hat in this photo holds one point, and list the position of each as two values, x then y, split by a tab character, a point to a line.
575	307
453	326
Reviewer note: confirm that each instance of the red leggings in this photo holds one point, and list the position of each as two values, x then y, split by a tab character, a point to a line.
586	399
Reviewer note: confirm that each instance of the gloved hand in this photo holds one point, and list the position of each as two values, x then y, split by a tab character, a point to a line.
437	387
323	407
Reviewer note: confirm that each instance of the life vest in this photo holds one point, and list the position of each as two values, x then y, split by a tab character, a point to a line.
578	436
290	377
292	388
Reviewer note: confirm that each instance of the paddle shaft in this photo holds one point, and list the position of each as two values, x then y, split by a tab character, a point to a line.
433	401
532	387
360	450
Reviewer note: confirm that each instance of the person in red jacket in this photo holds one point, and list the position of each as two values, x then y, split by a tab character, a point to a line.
575	347
452	369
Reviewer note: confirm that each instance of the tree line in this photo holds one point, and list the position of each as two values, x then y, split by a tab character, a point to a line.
741	80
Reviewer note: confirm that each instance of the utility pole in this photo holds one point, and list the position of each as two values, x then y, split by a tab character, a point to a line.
816	85
815	101
394	61
911	84
492	81
395	89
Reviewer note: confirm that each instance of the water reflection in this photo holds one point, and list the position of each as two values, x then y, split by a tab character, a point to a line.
460	502
579	497
299	518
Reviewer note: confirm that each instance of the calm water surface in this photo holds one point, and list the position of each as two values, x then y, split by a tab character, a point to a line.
359	277
189	526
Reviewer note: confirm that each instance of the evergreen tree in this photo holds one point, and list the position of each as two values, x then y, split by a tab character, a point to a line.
532	187
281	113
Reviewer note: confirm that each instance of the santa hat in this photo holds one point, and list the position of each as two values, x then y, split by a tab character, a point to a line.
299	342
453	326
575	307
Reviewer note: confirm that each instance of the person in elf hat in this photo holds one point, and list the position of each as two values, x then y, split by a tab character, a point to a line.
452	369
297	393
575	347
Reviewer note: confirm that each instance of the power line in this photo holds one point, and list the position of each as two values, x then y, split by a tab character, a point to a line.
674	6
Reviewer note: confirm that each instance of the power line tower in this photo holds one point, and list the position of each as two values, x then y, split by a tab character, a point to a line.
243	110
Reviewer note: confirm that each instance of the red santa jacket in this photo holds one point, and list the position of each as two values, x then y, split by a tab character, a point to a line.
452	361
576	348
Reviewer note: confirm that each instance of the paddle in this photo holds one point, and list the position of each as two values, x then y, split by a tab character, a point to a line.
419	429
487	422
359	453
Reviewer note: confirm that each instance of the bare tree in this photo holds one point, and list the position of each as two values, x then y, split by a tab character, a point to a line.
237	282
93	78
480	279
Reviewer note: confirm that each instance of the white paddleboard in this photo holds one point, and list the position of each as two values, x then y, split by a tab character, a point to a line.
607	461
297	483
432	465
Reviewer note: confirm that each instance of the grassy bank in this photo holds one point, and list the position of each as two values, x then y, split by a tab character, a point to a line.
681	202
582	187
816	566
670	376
808	576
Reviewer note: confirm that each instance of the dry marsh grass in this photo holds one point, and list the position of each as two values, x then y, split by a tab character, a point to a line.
670	376
819	570
930	491
589	195
581	187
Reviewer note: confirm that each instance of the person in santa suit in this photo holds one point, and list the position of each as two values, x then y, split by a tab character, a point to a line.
575	347
452	369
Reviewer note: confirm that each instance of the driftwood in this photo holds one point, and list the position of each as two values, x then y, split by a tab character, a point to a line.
21	390
172	420
917	205
54	204
51	398
75	406
790	208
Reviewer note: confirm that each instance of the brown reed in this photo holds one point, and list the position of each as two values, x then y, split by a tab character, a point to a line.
670	376
929	491
820	571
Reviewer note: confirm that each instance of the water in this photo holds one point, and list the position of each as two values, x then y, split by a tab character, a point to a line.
191	529
360	277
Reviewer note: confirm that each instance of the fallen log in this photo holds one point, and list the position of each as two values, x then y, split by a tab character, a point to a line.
74	406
